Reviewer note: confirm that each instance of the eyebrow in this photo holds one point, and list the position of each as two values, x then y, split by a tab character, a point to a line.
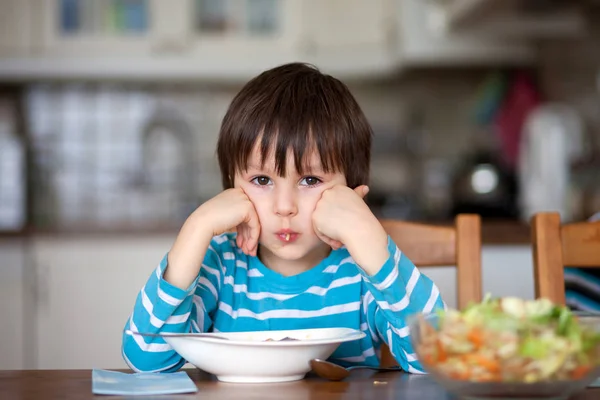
313	169
255	166
309	169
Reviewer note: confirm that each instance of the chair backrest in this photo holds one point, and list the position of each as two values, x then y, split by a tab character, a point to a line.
557	245
433	245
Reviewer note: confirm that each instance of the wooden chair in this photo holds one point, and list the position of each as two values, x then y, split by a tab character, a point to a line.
557	245
431	245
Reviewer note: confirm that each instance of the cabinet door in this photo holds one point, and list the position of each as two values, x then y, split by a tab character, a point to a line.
171	26
87	288
510	19
420	45
175	38
12	308
338	24
458	12
243	37
95	28
348	38
15	27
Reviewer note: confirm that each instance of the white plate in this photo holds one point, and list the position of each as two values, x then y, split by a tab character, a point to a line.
247	357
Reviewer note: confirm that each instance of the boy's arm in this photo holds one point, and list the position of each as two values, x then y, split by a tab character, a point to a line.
184	291
163	307
395	292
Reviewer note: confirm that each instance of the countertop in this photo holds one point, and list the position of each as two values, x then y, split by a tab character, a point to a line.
77	384
493	232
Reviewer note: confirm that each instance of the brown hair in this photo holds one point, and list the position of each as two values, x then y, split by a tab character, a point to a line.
295	106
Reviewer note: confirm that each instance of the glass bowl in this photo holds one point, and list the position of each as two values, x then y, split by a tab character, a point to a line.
469	389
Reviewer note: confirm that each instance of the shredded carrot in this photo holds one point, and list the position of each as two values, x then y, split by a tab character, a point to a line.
490	378
475	336
441	352
580	371
462	376
428	359
491	365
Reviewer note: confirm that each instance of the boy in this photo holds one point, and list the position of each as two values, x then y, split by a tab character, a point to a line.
294	151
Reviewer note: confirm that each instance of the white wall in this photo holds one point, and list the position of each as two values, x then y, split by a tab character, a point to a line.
507	271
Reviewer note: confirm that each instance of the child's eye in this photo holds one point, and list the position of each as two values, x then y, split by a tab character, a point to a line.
310	181
261	181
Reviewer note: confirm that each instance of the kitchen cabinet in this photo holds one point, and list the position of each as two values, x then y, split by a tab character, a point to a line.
146	39
233	40
150	39
420	45
190	28
86	290
14	324
15	27
508	18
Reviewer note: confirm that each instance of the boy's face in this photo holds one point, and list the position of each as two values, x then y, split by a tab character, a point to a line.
285	205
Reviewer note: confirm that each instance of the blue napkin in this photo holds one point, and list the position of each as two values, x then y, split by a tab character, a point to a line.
596	383
144	383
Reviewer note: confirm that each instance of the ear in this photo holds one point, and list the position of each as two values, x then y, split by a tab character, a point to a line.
362	191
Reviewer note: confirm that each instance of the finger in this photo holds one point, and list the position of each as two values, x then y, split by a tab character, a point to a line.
251	232
241	241
249	239
335	244
245	236
362	191
253	229
238	238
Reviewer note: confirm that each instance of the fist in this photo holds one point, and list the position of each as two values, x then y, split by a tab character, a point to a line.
338	213
232	209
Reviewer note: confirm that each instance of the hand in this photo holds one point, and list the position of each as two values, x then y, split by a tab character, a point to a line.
233	209
228	210
336	209
341	217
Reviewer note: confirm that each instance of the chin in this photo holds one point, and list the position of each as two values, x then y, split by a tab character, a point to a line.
291	252
294	251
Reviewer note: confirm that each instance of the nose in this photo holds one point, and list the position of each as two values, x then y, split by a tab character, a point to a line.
285	204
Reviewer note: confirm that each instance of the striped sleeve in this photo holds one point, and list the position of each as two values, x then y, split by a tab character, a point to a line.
395	292
162	307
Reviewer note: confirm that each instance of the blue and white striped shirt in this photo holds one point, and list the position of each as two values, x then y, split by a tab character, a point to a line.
237	292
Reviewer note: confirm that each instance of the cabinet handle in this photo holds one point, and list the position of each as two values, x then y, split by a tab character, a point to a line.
42	275
31	275
308	47
170	46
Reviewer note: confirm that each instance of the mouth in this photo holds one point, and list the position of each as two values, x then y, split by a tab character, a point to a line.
287	236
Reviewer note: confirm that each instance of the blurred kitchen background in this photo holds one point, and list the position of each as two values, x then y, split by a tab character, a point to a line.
110	111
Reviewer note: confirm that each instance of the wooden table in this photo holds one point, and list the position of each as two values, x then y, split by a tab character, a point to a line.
72	384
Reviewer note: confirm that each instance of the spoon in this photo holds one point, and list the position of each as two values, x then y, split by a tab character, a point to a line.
169	334
334	372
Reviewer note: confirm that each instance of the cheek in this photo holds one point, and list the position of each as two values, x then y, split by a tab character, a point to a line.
260	199
308	201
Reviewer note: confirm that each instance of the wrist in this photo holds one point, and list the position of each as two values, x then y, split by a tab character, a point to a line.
188	251
200	224
368	246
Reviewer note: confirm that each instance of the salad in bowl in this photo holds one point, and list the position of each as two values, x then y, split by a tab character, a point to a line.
520	348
